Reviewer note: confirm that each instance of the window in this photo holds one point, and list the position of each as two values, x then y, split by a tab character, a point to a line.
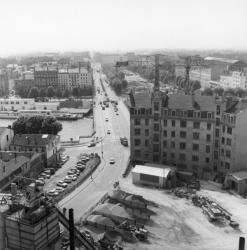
7	137
182	134
182	145
228	142
137	153
164	154
173	123
195	158
165	123
173	113
146	132
223	140
173	134
156	127
207	149
172	155
196	125
165	133
156	147
137	121
146	122
196	136
137	142
229	130
227	165
216	155
156	106
4	169
156	117
217	132
207	160
228	153
195	147
182	157
222	151
217	121
25	102
208	138
146	143
218	110
156	137
183	124
164	144
137	131
172	144
223	129
208	126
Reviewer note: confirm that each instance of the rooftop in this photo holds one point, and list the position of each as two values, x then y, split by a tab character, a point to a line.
155	171
33	139
225	60
241	175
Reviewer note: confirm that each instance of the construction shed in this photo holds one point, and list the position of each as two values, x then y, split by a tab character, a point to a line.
154	175
237	182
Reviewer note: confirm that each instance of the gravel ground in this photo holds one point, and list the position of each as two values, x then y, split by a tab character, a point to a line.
179	225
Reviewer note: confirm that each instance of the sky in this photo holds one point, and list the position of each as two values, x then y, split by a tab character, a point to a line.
125	25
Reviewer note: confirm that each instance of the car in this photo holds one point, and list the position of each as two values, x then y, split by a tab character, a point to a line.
116	113
68	179
108	131
81	168
62	184
39	183
79	163
41	179
106	119
70	172
112	161
74	178
59	189
48	176
52	192
92	144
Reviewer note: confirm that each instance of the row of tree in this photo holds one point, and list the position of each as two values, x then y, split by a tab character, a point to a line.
50	92
37	124
187	87
225	92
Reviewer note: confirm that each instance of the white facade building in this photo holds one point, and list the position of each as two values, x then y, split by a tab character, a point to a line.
235	80
7	104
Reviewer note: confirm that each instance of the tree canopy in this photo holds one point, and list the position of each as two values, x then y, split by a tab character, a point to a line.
50	91
37	124
208	91
33	93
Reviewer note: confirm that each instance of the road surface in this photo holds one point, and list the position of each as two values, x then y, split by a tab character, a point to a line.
106	174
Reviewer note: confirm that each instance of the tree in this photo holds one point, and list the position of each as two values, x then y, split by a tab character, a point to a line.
229	91
208	92
219	91
76	92
42	92
124	84
196	85
239	92
37	124
50	91
19	125
59	93
33	93
66	93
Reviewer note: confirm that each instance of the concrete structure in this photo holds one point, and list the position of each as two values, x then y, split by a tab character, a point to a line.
4	83
187	131
237	182
74	78
16	104
235	79
53	106
6	136
158	176
47	144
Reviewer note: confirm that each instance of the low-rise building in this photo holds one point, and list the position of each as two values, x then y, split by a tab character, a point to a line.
7	104
13	164
6	136
47	144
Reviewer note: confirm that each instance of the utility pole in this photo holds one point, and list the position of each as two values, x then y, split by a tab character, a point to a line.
71	229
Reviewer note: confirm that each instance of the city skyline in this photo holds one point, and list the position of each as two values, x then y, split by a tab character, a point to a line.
29	26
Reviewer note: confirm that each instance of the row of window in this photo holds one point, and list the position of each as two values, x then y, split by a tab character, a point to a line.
17	102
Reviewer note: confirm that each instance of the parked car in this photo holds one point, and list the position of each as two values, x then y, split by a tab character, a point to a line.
59	189
62	184
106	119
80	163
74	178
68	179
108	131
92	144
81	168
52	192
41	179
112	161
39	183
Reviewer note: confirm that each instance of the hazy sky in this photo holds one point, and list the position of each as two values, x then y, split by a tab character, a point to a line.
60	25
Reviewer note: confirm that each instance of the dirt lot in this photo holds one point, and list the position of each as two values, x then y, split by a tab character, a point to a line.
179	225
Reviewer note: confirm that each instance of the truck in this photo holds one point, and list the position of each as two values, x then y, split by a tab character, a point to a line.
124	141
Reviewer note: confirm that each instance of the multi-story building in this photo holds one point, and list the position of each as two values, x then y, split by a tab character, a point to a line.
74	78
47	144
46	78
187	130
235	79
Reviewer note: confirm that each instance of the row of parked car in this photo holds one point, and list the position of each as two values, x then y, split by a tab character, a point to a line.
71	176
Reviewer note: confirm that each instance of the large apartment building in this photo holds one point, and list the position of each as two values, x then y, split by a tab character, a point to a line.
46	78
201	134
